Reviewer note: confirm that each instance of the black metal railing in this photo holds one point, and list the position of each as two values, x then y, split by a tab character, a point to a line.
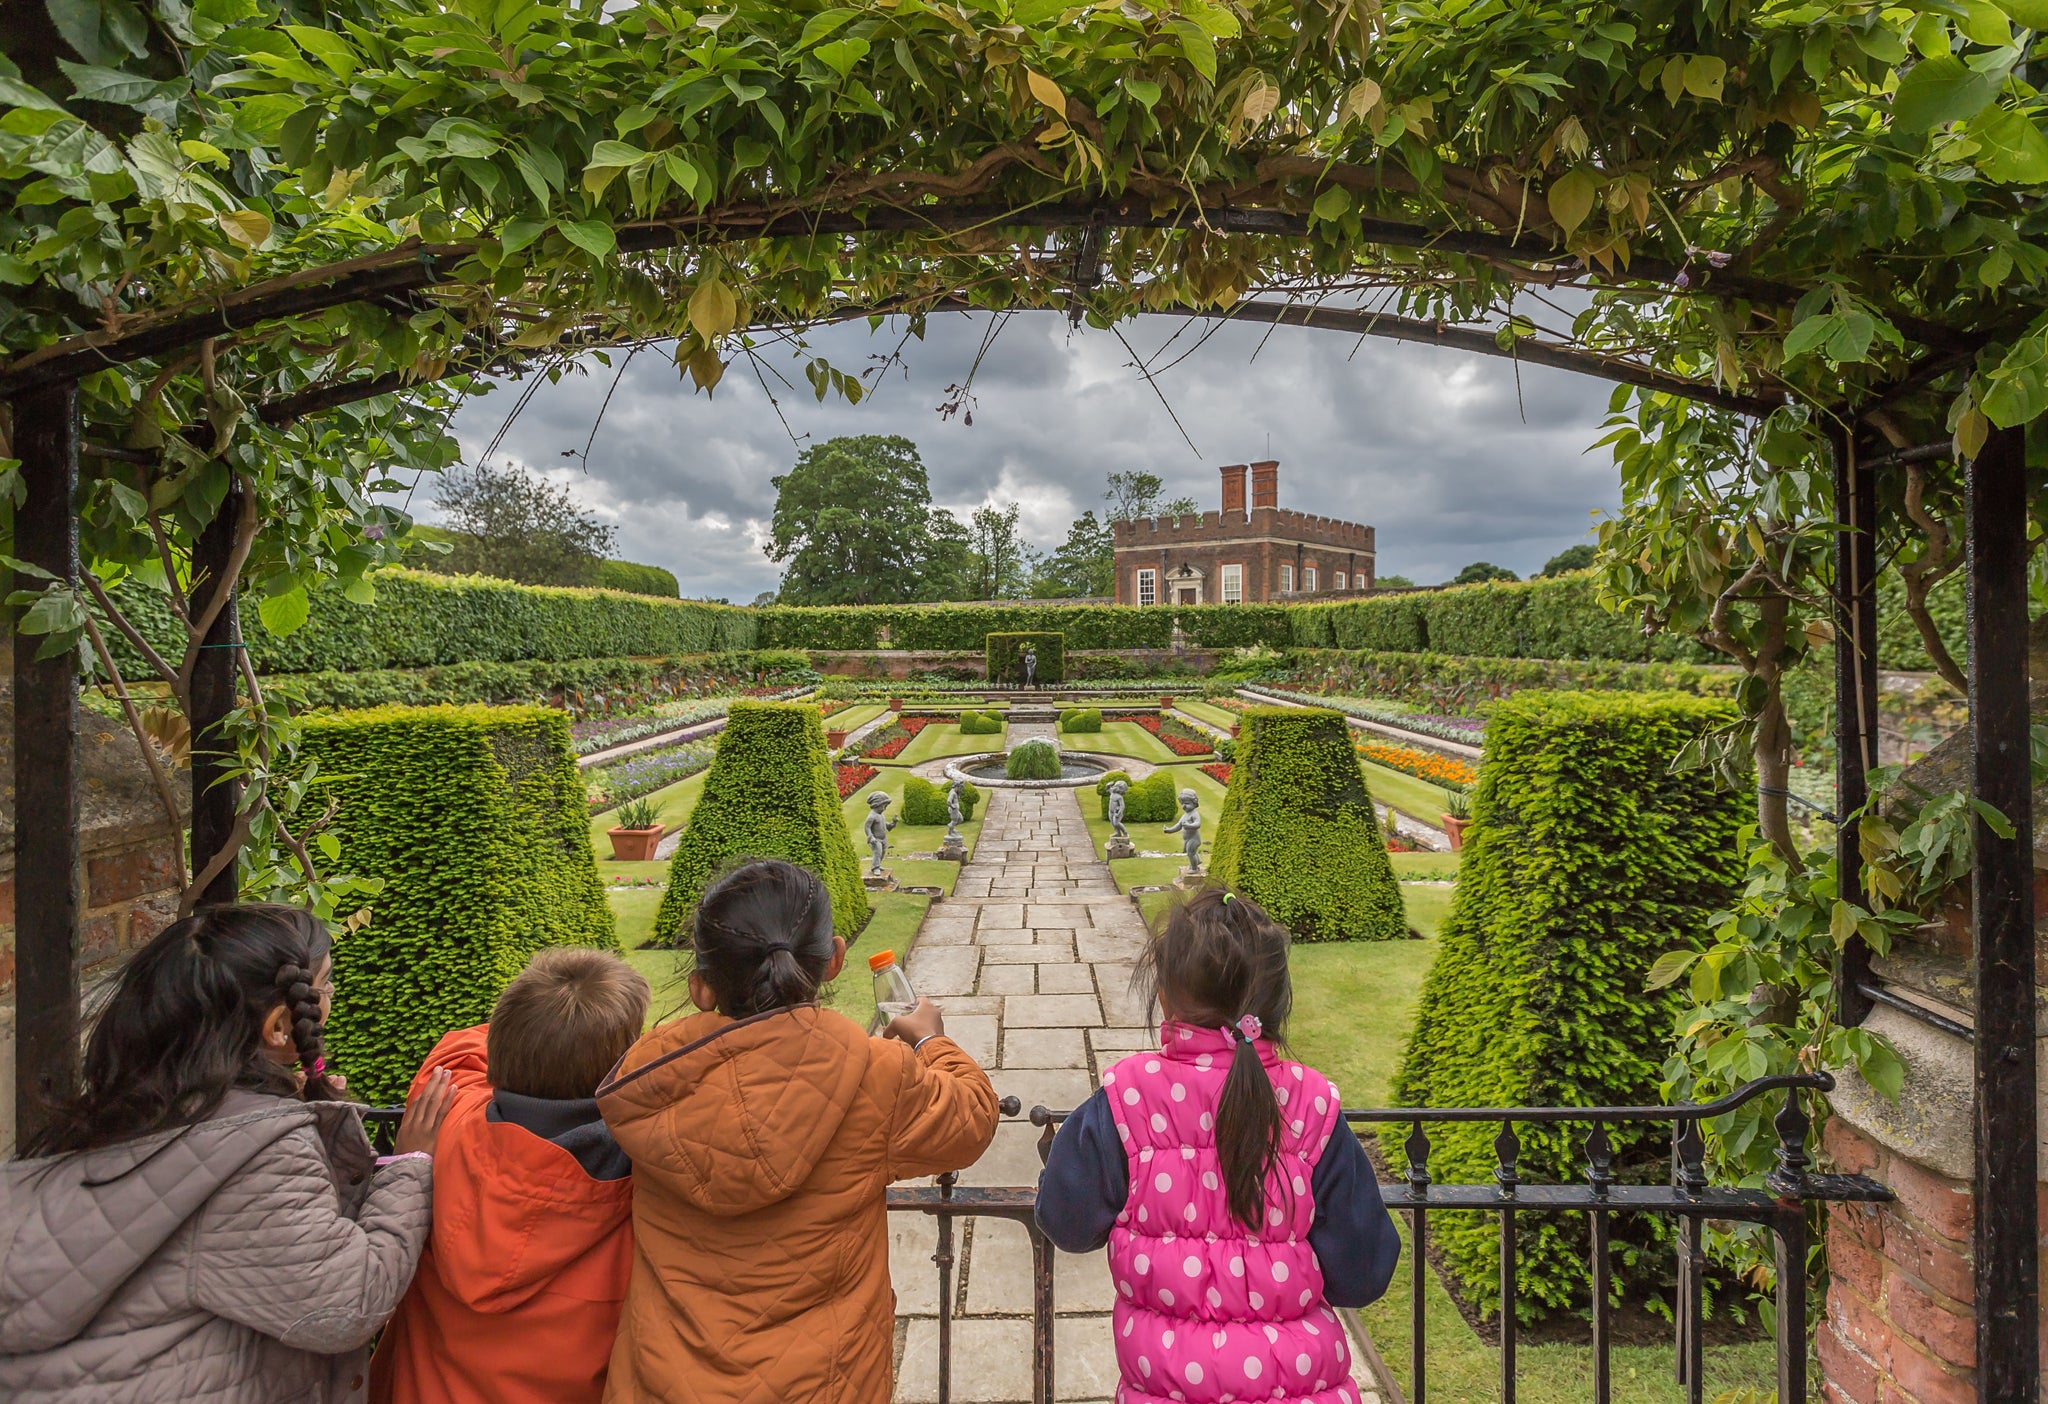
1781	1207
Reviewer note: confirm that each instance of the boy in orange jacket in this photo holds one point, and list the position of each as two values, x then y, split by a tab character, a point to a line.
518	1292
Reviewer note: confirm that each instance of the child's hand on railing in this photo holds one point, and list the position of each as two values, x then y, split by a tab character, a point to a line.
919	1024
424	1114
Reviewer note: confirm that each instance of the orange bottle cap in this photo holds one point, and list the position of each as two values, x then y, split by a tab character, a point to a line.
880	959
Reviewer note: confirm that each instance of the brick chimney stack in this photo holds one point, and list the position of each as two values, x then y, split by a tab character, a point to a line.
1266	484
1233	489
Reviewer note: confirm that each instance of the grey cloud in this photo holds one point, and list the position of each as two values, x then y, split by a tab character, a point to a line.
1443	452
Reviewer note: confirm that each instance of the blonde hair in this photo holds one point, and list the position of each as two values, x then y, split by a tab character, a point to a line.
565	1022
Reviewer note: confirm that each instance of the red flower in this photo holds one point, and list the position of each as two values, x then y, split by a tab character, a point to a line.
1177	737
895	737
1219	771
852	775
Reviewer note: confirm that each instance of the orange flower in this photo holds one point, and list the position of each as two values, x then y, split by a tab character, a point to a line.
1423	765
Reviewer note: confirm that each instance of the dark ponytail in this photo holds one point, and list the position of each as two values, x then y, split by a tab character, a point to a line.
184	1026
762	937
1220	962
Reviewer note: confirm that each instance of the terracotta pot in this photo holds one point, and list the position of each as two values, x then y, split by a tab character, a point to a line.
895	704
1165	702
1454	829
635	845
835	739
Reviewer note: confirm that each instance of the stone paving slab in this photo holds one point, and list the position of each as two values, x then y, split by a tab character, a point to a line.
1044	1048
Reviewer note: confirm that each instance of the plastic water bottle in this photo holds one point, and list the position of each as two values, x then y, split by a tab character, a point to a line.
893	995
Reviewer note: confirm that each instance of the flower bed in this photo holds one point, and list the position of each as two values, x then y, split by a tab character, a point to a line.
1423	765
1177	736
851	775
888	743
1219	771
588	736
1470	731
833	704
645	773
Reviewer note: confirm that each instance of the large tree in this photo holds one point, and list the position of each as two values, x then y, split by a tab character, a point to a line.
853	521
1084	564
999	552
508	523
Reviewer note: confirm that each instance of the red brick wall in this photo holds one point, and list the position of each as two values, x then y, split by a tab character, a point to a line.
1260	543
1900	1325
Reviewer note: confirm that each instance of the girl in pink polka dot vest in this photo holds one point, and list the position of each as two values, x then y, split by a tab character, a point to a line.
1237	1205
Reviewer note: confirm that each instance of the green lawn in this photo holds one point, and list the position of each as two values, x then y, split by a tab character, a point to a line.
1138	872
854	717
946	739
1210	713
1418	799
907	838
1120	739
1433	866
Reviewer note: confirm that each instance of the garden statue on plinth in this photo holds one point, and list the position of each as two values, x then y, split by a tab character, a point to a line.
1189	827
1030	663
954	848
1120	845
877	830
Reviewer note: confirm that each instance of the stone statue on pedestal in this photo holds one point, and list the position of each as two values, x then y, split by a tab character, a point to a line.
1120	845
1189	827
1030	662
877	829
953	815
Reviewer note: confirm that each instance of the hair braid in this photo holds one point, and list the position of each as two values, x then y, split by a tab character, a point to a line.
302	1002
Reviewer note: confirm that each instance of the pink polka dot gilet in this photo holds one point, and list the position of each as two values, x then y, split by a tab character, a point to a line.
1206	1309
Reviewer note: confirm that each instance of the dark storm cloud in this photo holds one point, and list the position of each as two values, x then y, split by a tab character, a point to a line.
1443	452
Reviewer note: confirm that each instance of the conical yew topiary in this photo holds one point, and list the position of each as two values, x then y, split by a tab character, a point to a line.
1298	834
769	794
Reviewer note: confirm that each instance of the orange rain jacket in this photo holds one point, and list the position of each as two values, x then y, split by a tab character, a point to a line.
761	1151
518	1293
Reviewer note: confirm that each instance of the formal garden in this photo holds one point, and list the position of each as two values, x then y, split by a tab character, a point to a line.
1697	823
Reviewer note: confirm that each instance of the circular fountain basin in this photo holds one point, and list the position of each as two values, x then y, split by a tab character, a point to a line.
1077	768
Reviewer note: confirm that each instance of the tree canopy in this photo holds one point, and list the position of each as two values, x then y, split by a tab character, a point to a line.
852	523
508	523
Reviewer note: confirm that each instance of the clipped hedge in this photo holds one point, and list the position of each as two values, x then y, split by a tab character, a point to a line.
1298	833
1005	653
770	793
973	723
1153	800
1442	682
1081	719
474	818
637	579
1035	759
1235	625
1588	859
925	803
941	627
536	681
420	620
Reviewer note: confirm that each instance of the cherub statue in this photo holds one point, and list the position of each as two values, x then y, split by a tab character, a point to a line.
953	815
877	829
1030	665
1189	827
1115	809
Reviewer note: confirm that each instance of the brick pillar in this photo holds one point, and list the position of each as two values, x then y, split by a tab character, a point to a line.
1266	484
1233	490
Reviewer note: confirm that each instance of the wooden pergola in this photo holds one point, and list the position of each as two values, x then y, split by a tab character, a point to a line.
42	389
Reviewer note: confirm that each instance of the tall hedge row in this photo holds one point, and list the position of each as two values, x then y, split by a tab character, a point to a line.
1589	858
1299	834
420	620
769	794
536	681
474	818
637	579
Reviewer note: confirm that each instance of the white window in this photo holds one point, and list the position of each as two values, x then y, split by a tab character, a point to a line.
1233	584
1287	580
1148	587
1308	579
1340	580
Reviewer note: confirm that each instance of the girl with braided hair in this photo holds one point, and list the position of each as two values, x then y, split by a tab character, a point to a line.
1237	1205
764	1131
204	1218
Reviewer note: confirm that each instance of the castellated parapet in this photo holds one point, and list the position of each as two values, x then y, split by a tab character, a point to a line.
1241	554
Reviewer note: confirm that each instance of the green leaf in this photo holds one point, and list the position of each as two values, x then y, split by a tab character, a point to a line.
2013	151
327	46
822	24
842	54
1143	90
1196	47
713	309
1668	967
1332	203
518	233
95	84
593	236
282	614
1984	23
2017	390
1571	197
1703	76
249	228
16	93
1941	90
1851	340
1812	332
608	154
2031	14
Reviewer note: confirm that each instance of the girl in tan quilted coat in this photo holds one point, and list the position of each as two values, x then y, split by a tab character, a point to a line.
763	1132
205	1221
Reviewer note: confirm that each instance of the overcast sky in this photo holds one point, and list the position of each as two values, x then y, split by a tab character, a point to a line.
1436	448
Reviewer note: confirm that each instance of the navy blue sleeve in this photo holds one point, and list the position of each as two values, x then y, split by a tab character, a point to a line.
1354	1238
1087	1179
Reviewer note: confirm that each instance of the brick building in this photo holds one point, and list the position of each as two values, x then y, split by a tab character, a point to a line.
1244	553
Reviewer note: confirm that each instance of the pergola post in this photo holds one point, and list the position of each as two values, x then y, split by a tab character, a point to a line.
2004	1233
215	675
46	876
1855	689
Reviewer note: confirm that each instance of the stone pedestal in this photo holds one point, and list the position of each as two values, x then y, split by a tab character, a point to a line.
1190	878
1120	846
953	851
884	881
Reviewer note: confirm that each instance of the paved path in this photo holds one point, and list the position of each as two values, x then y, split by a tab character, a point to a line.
1031	957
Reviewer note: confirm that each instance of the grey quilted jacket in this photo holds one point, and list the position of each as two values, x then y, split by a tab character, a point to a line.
247	1260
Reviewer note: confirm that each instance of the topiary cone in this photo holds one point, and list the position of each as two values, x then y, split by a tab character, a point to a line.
1298	833
769	794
